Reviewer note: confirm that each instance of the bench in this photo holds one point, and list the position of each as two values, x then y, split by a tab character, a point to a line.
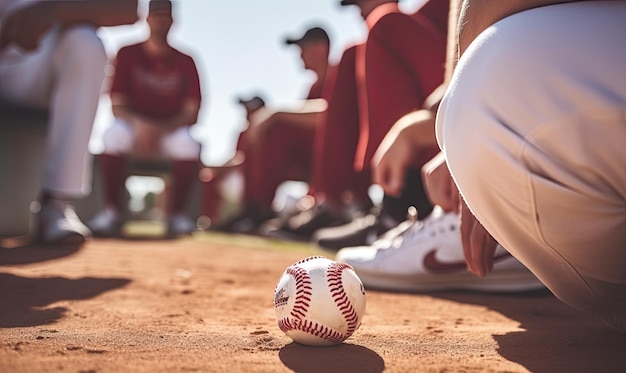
22	146
22	150
87	207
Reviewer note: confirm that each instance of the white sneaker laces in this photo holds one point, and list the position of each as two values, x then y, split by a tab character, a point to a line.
412	229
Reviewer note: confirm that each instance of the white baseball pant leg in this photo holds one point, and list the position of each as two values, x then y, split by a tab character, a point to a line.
176	145
533	127
64	75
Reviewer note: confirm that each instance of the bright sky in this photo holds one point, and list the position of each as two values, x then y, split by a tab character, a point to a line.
239	50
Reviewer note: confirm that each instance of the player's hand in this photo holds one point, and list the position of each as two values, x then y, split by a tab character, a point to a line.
478	245
147	139
26	27
439	185
394	156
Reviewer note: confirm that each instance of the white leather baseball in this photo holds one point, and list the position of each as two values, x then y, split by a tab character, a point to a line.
319	302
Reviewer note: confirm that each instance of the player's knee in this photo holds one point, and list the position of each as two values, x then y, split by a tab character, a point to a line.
180	145
81	43
117	139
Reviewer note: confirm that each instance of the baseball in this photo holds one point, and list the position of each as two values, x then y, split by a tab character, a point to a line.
319	302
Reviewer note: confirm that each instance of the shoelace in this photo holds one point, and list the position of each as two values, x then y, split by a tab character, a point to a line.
436	223
386	240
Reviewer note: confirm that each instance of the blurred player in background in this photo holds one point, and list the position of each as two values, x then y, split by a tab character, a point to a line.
156	97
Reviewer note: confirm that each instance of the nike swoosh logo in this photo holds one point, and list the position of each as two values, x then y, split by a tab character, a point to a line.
432	264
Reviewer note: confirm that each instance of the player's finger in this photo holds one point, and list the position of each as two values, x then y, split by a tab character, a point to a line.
489	249
483	247
383	175
466	232
473	241
446	198
478	249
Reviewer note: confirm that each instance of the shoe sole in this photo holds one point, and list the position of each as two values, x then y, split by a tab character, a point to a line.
337	245
288	236
174	235
70	239
102	234
503	282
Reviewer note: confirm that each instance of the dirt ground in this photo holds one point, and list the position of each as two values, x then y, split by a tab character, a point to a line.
204	304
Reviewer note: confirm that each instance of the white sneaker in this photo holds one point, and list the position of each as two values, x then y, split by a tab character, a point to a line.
428	256
59	224
180	225
106	223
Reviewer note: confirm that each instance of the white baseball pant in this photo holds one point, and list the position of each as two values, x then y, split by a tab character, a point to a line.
176	145
64	75
533	127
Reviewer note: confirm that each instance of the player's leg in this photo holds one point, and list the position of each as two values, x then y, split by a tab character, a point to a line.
65	76
397	80
78	64
536	146
184	151
336	140
339	190
118	142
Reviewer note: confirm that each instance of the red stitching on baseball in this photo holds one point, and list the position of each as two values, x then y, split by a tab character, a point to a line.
335	283
310	327
304	290
308	259
303	298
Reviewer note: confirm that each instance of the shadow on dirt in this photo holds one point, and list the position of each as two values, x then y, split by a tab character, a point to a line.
25	305
22	250
556	337
335	359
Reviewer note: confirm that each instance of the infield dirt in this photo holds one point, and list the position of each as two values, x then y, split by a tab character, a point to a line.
204	304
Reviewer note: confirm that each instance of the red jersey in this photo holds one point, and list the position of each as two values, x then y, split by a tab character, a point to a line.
400	64
155	86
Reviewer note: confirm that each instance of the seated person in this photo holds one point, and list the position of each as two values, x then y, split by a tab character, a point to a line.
397	67
337	192
279	143
537	149
427	255
52	58
155	96
213	177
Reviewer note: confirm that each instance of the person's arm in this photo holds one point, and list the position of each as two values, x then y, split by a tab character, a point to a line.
120	87
26	26
400	147
411	134
121	108
307	115
307	119
187	116
188	113
420	49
